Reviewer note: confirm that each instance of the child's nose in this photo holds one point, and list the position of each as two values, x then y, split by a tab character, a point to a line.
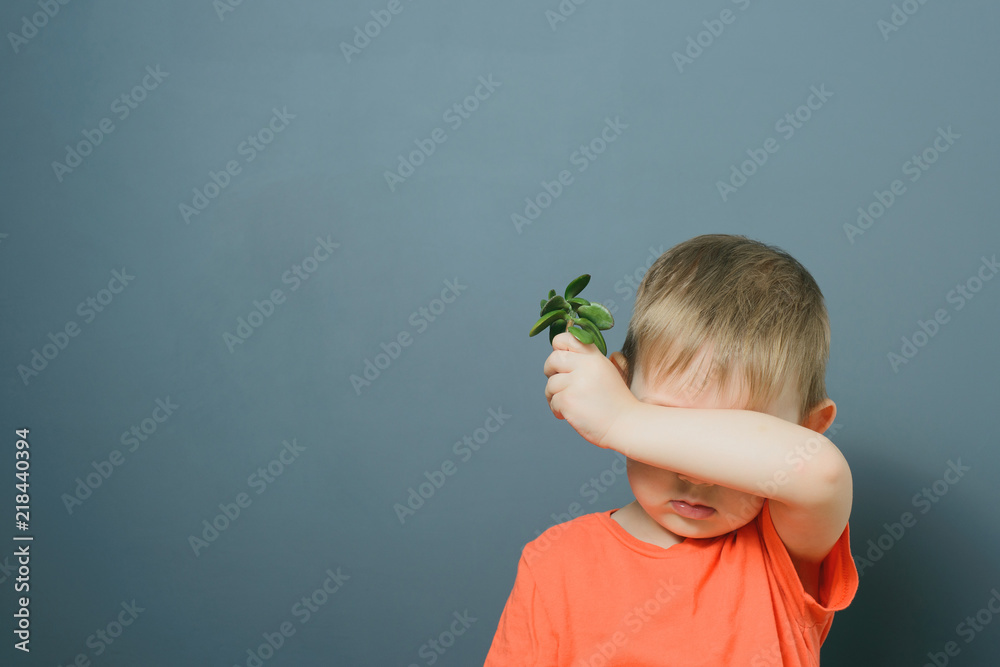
694	480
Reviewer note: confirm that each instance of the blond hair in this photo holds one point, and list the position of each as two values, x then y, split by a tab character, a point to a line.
758	308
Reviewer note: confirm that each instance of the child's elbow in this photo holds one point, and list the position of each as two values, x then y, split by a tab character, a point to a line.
831	481
836	485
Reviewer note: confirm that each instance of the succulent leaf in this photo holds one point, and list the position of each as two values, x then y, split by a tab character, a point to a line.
556	303
595	334
545	321
598	314
582	335
576	285
558	327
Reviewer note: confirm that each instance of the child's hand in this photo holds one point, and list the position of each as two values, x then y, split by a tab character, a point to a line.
586	389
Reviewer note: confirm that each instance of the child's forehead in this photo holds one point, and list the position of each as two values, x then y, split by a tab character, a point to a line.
701	379
694	395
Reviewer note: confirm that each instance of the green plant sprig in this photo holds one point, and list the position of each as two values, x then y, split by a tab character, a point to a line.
583	319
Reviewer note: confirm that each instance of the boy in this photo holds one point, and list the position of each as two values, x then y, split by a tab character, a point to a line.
736	550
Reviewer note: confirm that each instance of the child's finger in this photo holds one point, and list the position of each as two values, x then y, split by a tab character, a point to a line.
559	361
567	341
556	383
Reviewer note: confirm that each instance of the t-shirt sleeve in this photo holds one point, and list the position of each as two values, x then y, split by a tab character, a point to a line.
525	636
838	574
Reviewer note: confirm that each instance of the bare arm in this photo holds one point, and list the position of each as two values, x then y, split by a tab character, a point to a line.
744	450
803	473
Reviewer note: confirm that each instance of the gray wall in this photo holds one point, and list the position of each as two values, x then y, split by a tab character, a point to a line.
328	126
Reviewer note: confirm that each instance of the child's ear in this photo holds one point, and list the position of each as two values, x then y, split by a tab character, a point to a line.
821	416
618	359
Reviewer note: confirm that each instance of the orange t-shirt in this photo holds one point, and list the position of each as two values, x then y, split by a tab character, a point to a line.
589	594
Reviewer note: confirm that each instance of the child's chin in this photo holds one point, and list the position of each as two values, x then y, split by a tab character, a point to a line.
689	528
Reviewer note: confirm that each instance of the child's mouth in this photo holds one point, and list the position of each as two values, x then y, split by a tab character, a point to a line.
689	511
